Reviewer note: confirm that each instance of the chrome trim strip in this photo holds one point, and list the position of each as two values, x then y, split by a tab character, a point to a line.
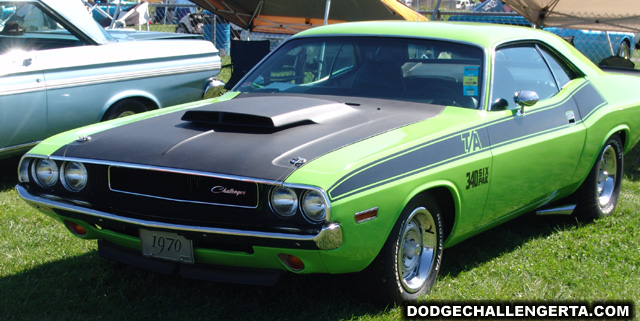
18	147
123	76
189	172
162	169
560	210
329	238
15	89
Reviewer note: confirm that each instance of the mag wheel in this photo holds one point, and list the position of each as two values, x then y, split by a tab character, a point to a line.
598	195
410	260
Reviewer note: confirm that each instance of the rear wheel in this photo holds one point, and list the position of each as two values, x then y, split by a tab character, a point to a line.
125	108
410	260
598	195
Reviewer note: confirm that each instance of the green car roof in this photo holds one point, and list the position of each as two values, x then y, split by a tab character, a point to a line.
483	34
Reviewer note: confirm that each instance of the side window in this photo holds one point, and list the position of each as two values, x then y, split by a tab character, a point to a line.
517	69
563	75
24	26
26	18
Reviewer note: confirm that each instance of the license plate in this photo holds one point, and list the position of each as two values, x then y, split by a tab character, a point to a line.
166	245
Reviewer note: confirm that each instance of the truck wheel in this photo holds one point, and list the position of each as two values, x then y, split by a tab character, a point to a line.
410	259
598	195
125	108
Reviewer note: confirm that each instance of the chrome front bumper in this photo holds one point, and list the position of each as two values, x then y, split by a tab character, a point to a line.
329	237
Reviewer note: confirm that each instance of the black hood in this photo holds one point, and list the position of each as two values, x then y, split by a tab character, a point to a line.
252	135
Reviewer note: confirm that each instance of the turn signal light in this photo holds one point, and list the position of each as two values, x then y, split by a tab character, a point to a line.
368	215
292	262
75	229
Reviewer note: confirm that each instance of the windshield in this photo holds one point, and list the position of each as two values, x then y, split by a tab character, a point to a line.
428	71
24	26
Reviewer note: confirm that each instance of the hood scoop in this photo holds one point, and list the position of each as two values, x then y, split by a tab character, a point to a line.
246	122
265	114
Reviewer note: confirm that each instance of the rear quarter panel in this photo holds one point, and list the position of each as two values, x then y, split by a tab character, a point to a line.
621	113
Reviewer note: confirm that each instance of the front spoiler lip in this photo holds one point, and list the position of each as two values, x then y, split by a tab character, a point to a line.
329	237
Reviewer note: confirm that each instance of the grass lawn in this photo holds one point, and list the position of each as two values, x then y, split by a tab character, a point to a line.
47	274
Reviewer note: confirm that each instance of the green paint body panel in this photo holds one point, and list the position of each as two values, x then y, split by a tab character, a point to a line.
488	183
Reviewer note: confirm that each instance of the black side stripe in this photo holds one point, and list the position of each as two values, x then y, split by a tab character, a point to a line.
460	145
404	164
588	100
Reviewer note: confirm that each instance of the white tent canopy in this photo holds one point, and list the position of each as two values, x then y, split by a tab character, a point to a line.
606	15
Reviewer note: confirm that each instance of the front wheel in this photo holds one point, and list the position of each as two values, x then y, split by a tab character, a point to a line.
598	195
410	260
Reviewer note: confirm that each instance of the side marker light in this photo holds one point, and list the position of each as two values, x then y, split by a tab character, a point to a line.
367	215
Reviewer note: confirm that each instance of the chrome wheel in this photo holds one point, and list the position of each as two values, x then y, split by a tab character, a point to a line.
607	175
598	195
126	113
416	253
410	259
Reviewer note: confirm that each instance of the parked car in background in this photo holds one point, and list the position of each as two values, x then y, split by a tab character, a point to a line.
61	70
351	147
595	45
463	4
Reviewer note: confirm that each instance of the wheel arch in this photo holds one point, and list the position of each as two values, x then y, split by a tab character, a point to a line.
448	199
147	99
623	132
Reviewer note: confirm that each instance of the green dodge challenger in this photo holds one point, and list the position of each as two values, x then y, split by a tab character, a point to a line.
352	147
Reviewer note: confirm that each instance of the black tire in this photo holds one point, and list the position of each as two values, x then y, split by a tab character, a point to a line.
624	50
409	262
125	108
598	195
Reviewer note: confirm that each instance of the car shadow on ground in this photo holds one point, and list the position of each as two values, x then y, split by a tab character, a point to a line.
502	239
89	287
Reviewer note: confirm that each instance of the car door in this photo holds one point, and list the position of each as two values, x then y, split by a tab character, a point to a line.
535	153
23	105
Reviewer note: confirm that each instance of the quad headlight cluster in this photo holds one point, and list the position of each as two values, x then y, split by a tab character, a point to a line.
286	202
47	174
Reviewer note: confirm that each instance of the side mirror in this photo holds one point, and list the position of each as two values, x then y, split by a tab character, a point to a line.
525	98
213	88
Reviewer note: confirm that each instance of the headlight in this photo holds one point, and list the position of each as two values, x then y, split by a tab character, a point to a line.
314	206
74	176
45	172
284	201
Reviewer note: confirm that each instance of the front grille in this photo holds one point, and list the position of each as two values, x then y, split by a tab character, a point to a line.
183	187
